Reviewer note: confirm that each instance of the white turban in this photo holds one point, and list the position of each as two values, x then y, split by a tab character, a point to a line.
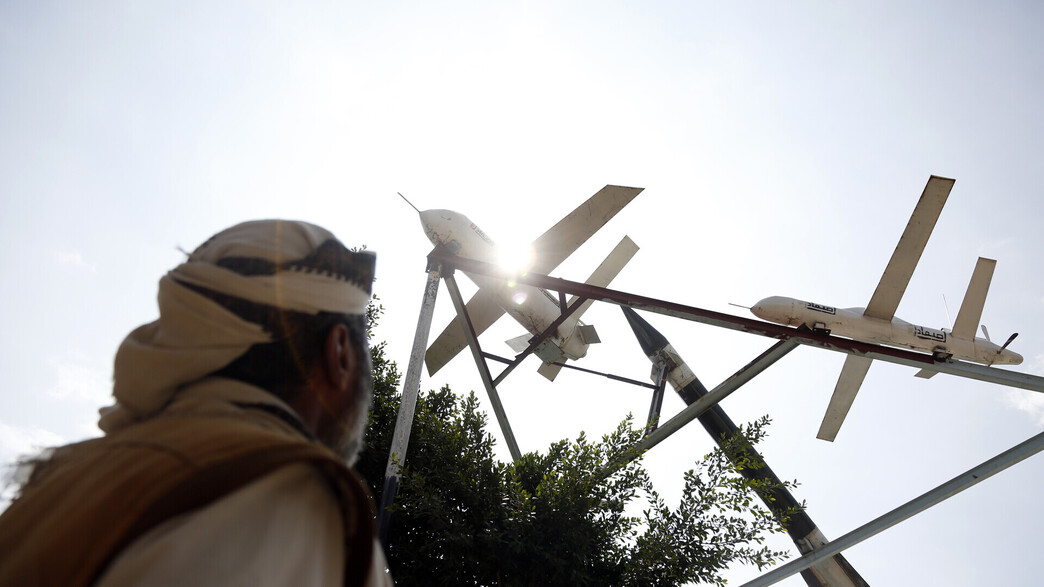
285	264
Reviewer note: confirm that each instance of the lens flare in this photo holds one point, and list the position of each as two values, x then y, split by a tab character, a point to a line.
515	259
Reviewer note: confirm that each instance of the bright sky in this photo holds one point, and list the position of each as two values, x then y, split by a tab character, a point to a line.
782	148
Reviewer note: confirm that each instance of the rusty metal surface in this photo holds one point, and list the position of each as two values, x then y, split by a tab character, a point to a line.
749	325
692	313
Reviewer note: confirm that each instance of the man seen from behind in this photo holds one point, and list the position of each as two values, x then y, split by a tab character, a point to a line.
226	457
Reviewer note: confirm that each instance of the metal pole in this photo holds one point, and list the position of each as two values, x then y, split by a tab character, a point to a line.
952	487
657	398
476	352
695	409
407	405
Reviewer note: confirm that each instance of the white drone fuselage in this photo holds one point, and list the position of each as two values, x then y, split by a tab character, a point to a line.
535	309
852	323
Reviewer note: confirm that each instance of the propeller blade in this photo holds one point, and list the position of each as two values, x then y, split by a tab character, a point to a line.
1007	342
986	333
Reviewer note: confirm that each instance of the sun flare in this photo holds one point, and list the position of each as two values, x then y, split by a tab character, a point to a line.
516	259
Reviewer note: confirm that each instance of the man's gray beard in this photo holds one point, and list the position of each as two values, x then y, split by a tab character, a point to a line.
349	434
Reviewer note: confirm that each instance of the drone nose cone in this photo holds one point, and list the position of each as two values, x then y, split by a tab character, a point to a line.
770	308
758	309
1012	358
428	217
434	223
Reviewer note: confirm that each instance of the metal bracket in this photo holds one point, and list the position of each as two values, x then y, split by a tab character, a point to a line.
657	398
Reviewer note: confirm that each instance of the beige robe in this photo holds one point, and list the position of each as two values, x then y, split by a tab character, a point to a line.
284	529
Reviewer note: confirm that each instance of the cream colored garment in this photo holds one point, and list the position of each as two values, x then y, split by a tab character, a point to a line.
284	529
195	336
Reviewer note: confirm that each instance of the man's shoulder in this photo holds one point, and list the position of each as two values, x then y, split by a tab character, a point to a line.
283	528
118	487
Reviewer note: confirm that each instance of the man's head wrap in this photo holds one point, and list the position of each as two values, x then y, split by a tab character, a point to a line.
285	264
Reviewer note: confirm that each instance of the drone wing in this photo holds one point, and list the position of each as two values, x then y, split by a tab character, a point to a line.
549	250
887	296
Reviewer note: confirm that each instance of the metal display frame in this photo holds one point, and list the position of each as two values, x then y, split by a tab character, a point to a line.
442	264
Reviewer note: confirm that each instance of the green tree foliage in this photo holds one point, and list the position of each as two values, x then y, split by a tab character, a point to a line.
562	517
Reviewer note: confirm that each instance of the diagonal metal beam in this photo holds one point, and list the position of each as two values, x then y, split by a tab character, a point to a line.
694	410
480	362
722	391
407	405
803	336
926	500
535	341
607	375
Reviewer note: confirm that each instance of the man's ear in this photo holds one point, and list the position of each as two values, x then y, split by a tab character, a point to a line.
341	364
